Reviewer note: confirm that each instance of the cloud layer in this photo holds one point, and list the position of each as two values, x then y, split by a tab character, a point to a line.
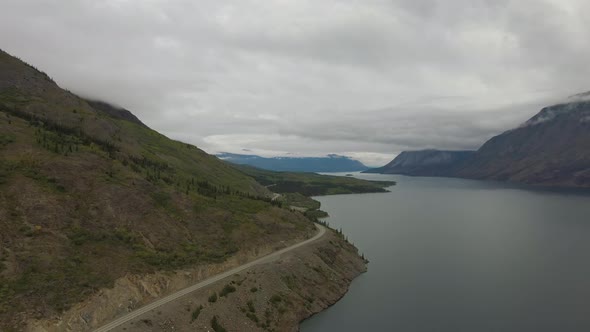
364	78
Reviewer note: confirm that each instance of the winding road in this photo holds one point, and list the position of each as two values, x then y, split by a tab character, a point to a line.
266	259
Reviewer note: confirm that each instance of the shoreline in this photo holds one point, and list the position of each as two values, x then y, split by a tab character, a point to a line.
331	305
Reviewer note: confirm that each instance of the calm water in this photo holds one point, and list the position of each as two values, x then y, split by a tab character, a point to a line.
456	255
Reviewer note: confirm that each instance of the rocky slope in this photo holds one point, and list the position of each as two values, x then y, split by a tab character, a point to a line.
425	163
136	290
550	149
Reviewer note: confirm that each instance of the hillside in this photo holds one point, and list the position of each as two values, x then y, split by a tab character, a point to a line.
89	194
425	163
550	149
331	163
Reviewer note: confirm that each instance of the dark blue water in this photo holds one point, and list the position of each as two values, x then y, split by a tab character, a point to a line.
457	255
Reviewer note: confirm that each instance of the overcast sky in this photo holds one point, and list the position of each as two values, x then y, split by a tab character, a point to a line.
364	78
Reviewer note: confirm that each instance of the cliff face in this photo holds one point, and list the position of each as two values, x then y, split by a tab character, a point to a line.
425	163
552	149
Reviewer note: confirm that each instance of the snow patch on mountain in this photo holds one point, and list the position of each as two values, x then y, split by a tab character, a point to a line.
577	104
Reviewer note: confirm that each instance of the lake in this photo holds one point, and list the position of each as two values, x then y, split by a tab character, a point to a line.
459	255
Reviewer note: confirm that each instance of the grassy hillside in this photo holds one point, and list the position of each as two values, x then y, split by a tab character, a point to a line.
87	196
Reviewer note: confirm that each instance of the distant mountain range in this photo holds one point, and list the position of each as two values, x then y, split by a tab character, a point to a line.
550	149
330	163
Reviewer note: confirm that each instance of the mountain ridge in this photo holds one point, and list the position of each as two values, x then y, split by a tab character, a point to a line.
115	111
550	149
330	163
428	162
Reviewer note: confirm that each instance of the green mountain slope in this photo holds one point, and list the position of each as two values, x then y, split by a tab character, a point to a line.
88	195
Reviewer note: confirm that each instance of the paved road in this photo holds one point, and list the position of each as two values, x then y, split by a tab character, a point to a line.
206	282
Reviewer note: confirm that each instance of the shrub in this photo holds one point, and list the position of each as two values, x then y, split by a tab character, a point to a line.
213	298
252	317
226	290
251	306
275	299
216	326
196	313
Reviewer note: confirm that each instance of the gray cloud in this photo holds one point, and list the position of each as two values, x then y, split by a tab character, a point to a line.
364	78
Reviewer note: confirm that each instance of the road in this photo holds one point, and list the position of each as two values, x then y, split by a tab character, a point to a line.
266	259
